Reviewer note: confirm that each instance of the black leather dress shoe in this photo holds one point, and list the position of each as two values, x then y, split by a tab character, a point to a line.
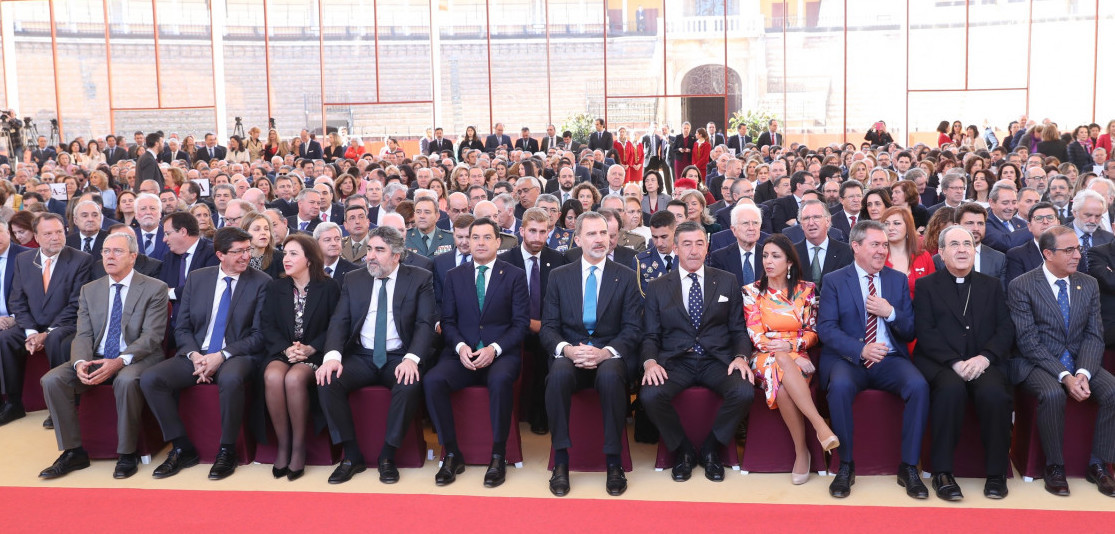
841	486
224	465
1055	481
910	478
450	468
175	462
559	481
11	411
616	482
714	469
1098	474
995	487
946	487
126	466
68	462
388	472
497	472
539	425
48	423
345	471
683	466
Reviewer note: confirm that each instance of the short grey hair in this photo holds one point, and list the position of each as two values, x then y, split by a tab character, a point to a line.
688	226
585	216
546	197
740	209
859	231
325	227
221	187
306	191
949	228
998	189
1080	198
393	188
390	235
425	193
504	200
532	180
812	202
98	206
149	196
951	177
133	246
914	173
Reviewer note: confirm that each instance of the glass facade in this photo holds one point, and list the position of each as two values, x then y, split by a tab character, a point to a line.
827	68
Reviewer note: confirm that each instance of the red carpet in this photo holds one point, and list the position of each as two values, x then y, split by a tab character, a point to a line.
119	511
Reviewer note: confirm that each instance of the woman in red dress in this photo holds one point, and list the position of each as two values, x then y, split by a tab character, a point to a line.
630	156
906	254
701	152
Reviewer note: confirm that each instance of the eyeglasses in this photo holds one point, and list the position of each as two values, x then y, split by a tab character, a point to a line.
1044	218
1071	251
239	251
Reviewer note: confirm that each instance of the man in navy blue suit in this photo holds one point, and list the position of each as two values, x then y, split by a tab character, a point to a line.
485	317
443	263
742	258
8	253
149	233
187	251
865	320
497	140
1026	256
1002	220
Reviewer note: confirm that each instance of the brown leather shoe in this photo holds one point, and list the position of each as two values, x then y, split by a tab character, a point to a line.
1099	475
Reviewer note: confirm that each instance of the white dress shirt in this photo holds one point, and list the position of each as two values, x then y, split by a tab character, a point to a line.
687	283
1052	281
189	259
218	291
368	330
127	282
487	283
585	265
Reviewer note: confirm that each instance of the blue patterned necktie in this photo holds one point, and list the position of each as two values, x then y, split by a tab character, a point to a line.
1063	302
1085	245
148	244
112	342
748	270
696	301
588	314
217	340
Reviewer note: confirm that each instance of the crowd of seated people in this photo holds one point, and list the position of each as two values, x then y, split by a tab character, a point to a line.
302	270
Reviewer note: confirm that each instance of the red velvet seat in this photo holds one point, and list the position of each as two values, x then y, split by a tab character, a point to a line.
586	431
1109	360
369	416
474	427
772	449
968	458
200	410
877	437
1026	451
319	449
37	366
696	407
97	416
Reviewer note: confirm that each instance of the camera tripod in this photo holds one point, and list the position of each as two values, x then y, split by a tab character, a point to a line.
238	128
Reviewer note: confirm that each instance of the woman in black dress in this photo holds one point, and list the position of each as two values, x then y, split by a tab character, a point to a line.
469	142
296	313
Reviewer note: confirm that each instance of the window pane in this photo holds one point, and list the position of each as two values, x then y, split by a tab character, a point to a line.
464	98
245	64
181	121
576	59
83	76
937	31
1065	68
1105	108
349	41
404	122
876	68
295	72
635	63
970	107
996	44
519	79
133	54
405	70
185	53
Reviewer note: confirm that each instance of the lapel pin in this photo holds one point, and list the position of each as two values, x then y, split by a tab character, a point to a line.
1078	288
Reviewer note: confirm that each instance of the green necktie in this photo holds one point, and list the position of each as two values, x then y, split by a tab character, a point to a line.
816	264
379	350
480	294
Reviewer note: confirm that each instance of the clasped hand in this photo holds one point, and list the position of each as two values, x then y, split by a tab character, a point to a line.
205	366
585	356
1078	387
298	352
108	368
971	368
477	359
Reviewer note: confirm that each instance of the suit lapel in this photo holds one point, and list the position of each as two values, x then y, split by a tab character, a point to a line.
402	289
99	293
606	291
494	281
852	281
1076	295
709	291
209	287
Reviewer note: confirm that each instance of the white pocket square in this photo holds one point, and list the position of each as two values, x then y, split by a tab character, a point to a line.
722	299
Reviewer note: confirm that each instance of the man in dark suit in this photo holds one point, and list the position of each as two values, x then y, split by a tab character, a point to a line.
362	349
654	146
953	187
865	320
173	153
143	264
526	142
307	218
147	168
219	341
43	153
187	252
694	334
600	139
1026	257
964	337
212	150
986	259
819	253
589	336
87	236
739	141
484	319
443	263
328	237
497	140
715	138
113	153
1101	265
1056	313
851	202
439	143
743	258
284	191
149	233
1088	209
784	210
310	148
44	293
771	136
121	322
8	253
426	239
537	261
1002	221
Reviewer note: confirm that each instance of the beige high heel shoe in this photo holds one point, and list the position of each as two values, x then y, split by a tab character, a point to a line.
831	443
801	478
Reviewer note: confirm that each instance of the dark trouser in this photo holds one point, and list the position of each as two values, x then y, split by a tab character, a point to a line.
533	396
162	383
61	386
991	395
13	357
358	372
450	375
1051	414
895	374
683	373
610	381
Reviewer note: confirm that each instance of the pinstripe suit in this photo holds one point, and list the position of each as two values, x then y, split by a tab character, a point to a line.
1042	336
